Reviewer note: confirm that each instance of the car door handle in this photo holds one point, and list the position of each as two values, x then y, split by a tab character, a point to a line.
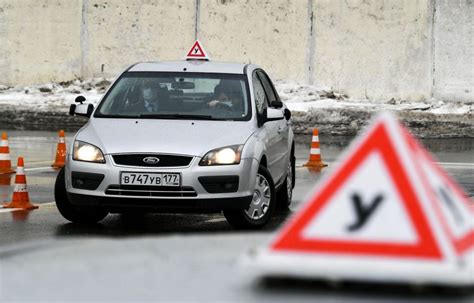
282	129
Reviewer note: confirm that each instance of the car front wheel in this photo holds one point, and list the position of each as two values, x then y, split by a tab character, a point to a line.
285	193
261	207
76	214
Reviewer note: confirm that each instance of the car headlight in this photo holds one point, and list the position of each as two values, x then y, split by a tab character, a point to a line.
223	156
87	152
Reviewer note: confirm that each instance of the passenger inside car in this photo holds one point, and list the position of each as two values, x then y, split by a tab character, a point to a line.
227	96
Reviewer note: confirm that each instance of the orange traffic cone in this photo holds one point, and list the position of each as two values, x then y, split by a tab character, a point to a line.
5	162
315	152
20	193
60	152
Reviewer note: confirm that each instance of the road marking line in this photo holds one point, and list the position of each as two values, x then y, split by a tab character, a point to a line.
298	164
40	162
215	220
456	164
47	203
446	164
46	168
9	210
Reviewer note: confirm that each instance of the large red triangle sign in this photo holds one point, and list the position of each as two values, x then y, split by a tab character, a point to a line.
197	52
385	213
377	152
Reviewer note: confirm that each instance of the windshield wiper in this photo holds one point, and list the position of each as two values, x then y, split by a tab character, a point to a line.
177	116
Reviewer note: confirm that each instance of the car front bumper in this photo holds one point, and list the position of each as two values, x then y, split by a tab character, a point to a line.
193	194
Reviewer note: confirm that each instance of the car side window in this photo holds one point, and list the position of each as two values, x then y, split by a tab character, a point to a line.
268	87
259	94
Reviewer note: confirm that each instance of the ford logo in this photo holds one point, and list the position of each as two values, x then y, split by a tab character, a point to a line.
151	160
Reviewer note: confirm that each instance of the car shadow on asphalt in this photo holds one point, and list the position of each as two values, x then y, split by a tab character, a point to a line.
131	225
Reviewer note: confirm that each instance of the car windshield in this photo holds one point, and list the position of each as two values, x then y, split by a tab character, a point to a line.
166	95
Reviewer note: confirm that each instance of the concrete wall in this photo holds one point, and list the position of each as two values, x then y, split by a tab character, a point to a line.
454	50
119	33
376	49
39	41
272	34
380	49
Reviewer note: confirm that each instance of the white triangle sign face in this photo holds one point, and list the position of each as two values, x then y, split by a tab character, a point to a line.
351	212
375	215
374	218
197	52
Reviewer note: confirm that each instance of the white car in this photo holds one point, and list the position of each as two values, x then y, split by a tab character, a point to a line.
181	136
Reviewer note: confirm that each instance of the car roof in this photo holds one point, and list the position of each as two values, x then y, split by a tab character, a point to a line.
190	66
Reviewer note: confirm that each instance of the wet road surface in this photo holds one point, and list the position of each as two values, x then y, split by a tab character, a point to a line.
156	256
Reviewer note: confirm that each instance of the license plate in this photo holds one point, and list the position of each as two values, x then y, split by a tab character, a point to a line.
154	179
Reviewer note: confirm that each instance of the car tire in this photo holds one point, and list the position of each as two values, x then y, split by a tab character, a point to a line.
76	214
285	193
261	207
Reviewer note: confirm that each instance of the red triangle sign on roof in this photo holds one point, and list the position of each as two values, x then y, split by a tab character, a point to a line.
197	52
379	216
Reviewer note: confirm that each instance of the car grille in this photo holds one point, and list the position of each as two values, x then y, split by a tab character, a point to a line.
164	160
150	191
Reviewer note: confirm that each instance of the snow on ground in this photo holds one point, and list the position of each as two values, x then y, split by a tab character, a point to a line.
52	96
298	97
312	106
305	98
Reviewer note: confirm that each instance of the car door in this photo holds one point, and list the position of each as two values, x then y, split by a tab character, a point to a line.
269	130
282	128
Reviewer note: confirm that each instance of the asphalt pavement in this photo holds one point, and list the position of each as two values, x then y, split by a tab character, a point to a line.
170	257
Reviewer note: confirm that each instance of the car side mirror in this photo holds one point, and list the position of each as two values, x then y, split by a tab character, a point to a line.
274	114
276	104
287	114
85	110
81	109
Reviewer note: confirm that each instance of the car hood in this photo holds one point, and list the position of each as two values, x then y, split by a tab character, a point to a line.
187	137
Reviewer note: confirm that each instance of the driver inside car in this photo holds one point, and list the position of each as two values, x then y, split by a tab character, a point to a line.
150	99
